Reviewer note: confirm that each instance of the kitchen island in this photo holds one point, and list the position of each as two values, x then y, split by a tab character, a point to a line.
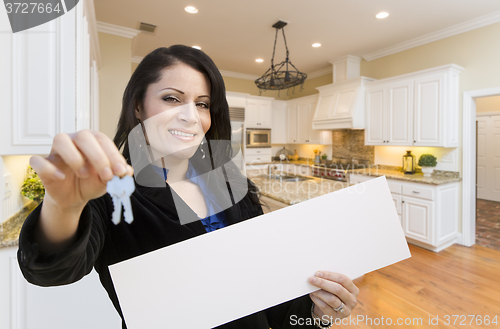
295	192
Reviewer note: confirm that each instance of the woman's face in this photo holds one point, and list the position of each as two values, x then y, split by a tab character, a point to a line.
176	112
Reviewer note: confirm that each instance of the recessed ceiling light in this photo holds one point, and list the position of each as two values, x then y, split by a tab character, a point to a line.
382	15
259	60
191	9
197	47
316	45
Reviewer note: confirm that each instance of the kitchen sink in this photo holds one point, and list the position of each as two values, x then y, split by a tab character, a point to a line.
288	178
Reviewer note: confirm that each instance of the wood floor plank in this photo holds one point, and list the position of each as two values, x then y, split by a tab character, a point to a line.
458	281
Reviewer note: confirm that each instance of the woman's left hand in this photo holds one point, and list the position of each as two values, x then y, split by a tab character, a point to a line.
335	289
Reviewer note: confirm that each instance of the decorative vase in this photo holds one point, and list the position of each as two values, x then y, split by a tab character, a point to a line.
427	171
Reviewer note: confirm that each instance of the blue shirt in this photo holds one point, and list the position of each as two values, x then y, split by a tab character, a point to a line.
217	219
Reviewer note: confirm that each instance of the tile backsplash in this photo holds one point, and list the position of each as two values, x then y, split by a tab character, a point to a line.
350	143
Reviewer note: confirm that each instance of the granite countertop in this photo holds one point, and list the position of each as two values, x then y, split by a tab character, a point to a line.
438	177
301	161
10	229
295	192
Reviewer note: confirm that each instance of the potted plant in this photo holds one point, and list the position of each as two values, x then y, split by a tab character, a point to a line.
427	162
32	187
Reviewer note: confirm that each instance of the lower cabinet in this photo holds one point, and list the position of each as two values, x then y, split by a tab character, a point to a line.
417	219
81	305
428	213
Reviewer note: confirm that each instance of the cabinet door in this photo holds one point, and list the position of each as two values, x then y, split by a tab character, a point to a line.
375	102
265	115
397	202
291	127
418	219
252	114
314	135
278	129
304	123
399	112
429	110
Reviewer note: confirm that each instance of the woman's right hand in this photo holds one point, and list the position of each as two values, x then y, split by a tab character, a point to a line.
78	168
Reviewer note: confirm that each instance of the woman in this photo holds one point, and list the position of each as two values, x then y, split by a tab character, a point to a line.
176	97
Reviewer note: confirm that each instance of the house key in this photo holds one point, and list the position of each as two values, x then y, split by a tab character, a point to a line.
120	191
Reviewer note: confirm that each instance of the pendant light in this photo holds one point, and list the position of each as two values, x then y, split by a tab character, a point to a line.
283	75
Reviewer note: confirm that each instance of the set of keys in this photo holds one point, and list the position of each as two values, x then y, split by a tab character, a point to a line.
120	190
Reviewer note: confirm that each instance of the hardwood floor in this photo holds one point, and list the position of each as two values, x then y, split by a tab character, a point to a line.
458	281
447	288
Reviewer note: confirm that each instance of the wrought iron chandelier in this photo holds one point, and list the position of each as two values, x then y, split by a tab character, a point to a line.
283	75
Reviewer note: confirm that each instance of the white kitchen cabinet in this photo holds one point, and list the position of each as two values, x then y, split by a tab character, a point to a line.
419	109
291	123
417	219
48	81
258	155
428	213
279	124
258	113
299	122
389	109
83	304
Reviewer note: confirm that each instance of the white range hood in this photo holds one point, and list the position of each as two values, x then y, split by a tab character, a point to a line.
341	105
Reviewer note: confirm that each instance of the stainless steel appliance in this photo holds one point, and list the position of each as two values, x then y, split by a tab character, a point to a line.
258	137
237	117
338	168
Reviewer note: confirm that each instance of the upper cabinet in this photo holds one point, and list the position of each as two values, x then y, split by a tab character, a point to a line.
419	109
299	122
49	81
279	128
258	113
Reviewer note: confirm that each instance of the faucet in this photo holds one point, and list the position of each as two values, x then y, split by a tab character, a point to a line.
270	170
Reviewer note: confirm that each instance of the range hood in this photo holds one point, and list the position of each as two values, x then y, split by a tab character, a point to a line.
341	105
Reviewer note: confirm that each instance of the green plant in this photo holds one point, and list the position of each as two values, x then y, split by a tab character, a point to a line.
324	156
32	187
427	160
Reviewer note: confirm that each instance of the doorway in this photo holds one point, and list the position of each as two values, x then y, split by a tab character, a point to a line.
468	236
488	172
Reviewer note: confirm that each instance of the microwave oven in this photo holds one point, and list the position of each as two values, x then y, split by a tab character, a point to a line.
258	137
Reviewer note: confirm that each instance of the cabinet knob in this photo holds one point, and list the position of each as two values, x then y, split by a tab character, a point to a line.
414	141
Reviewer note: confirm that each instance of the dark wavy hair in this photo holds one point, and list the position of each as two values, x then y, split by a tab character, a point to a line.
150	70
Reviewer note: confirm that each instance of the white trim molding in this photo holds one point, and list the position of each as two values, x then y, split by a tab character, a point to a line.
321	72
231	74
470	25
117	30
469	163
94	40
487	114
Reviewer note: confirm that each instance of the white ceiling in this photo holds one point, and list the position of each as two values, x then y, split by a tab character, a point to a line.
236	32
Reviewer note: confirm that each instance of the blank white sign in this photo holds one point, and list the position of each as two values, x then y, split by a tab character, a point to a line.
250	266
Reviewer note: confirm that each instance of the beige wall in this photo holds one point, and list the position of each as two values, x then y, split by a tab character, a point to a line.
311	84
249	87
476	51
113	78
133	67
488	104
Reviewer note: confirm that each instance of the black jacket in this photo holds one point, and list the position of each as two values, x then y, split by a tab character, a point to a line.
100	243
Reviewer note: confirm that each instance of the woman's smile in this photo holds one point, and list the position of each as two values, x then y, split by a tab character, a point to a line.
182	135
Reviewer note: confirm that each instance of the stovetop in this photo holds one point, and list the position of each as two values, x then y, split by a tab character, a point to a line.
340	166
